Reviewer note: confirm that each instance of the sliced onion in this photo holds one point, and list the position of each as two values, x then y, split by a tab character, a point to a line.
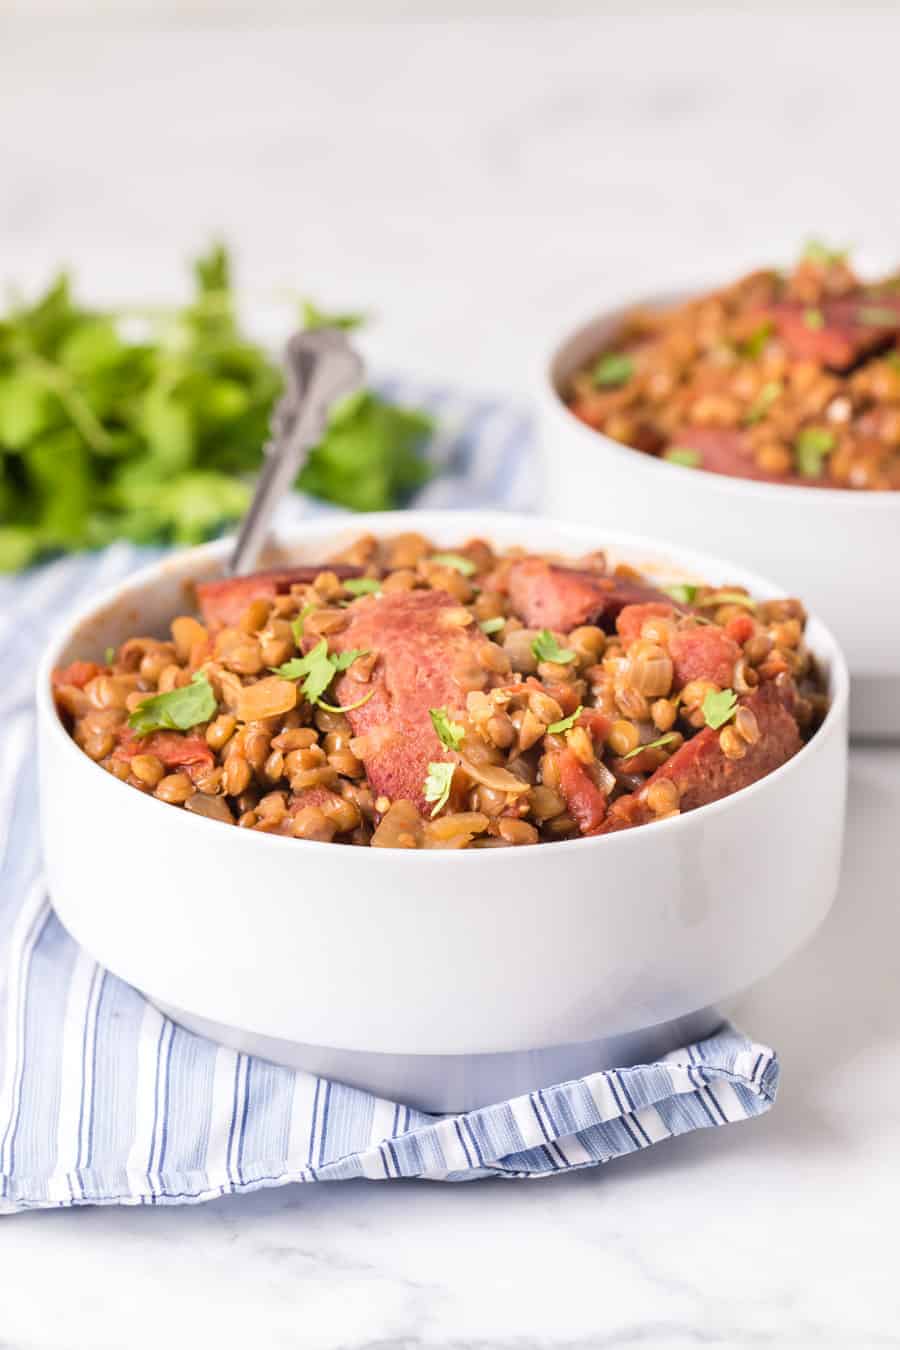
493	776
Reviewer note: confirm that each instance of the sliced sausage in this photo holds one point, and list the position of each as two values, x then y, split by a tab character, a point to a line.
223	602
843	332
563	598
584	800
426	659
704	774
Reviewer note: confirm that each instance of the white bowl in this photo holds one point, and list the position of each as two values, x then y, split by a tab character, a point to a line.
443	978
837	549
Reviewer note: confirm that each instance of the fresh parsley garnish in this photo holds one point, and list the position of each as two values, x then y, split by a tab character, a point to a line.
719	708
810	448
546	648
814	318
317	668
755	344
109	655
565	723
767	395
491	625
438	782
449	733
464	566
612	370
652	745
345	707
683	593
176	710
683	455
362	585
297	624
816	252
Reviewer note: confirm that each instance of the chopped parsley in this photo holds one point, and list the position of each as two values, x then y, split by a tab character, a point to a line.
816	252
491	625
814	318
756	342
176	710
464	566
345	707
449	733
438	782
651	745
565	723
546	648
109	655
683	455
719	708
317	669
683	593
767	395
362	585
612	370
810	448
297	625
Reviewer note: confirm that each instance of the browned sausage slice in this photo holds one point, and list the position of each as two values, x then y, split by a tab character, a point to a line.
562	598
223	602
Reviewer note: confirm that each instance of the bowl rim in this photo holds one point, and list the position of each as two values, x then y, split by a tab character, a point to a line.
54	737
714	482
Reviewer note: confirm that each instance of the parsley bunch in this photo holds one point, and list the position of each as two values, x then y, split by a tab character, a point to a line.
154	435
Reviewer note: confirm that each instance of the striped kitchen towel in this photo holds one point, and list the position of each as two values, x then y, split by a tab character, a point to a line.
103	1100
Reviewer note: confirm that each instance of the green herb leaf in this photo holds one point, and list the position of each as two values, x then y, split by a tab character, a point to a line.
727	598
465	566
176	710
297	624
877	316
613	369
491	625
362	585
893	360
652	745
767	395
719	708
683	593
546	648
816	252
565	723
317	668
814	318
755	344
450	734
683	455
438	782
109	656
313	317
810	449
345	707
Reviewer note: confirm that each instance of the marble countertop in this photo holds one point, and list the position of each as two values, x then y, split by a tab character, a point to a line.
475	183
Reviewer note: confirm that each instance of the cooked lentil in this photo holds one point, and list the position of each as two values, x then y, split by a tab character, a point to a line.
783	378
527	751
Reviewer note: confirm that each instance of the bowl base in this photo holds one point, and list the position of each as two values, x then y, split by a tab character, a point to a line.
453	1083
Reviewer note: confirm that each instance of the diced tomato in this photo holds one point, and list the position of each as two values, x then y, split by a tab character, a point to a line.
585	801
705	653
174	748
78	673
633	617
740	628
597	723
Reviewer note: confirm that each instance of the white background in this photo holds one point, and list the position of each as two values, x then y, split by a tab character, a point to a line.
474	180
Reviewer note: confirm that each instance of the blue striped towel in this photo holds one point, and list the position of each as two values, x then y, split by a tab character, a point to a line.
103	1100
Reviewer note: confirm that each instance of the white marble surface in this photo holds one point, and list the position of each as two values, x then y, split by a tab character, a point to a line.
473	182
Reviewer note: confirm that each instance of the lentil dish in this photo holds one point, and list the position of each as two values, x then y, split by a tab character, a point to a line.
402	696
781	378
